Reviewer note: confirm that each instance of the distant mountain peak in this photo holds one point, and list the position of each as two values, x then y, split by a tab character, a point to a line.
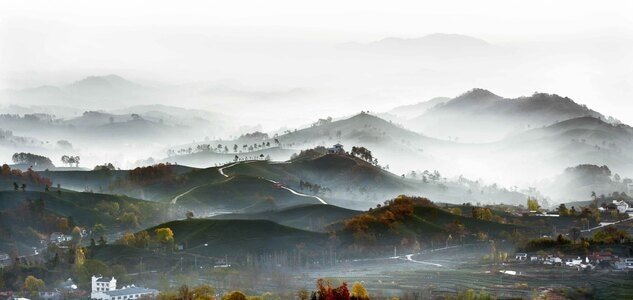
104	80
476	96
476	93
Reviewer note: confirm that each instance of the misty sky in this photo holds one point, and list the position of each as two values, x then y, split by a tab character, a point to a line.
580	49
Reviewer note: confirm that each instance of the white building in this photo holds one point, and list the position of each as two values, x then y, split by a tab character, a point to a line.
105	289
58	237
621	205
336	149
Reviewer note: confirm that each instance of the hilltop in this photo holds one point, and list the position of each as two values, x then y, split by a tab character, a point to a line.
480	115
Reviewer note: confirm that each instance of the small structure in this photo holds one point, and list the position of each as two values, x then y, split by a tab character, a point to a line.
49	295
58	237
105	289
621	206
336	149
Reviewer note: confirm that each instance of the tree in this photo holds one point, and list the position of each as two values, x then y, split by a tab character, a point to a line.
70	160
98	229
202	292
456	211
189	215
235	295
532	204
165	236
303	294
128	239
359	292
142	239
76	234
33	284
562	210
184	292
39	161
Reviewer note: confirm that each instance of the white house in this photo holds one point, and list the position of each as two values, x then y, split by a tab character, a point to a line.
621	205
105	289
336	149
58	237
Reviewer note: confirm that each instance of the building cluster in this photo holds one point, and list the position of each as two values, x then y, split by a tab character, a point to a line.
622	207
104	288
604	260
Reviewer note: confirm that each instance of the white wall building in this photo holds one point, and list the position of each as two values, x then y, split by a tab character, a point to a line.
336	149
621	205
105	289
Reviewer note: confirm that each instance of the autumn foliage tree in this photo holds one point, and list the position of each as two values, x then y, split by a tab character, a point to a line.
359	292
160	173
165	237
235	295
532	204
325	291
32	285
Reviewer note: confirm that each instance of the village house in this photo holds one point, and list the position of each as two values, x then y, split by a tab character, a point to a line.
336	149
622	206
58	238
104	288
49	295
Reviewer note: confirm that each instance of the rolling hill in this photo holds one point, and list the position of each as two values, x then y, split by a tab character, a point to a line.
481	116
26	217
238	237
414	219
413	110
239	193
314	217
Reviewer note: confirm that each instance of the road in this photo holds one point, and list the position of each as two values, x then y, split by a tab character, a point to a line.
297	193
605	224
173	201
221	170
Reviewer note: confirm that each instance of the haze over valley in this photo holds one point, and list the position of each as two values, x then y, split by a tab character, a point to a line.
333	151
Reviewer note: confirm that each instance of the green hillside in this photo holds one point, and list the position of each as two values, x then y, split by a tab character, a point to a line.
416	219
241	193
234	237
315	217
27	217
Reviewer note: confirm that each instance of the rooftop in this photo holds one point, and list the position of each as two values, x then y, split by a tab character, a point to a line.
130	291
104	279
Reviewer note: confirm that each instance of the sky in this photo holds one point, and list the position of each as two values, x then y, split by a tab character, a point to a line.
578	49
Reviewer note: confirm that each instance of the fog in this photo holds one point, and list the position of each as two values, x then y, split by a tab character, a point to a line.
284	57
261	146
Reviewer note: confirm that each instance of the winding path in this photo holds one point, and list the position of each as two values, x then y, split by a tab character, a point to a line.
409	258
221	170
173	201
605	224
297	193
